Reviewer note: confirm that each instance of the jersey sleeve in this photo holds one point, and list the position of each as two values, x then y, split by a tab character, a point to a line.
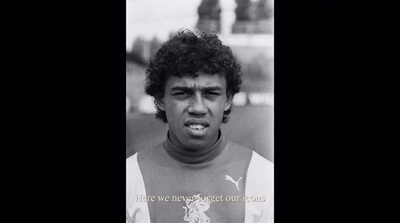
136	212
260	191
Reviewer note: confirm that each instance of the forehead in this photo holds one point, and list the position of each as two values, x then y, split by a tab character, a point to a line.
202	80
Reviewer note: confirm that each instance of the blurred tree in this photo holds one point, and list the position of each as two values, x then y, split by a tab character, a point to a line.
243	10
252	16
138	45
209	12
209	9
264	10
137	52
171	35
155	44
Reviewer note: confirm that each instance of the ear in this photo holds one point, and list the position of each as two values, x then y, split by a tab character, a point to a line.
228	102
160	103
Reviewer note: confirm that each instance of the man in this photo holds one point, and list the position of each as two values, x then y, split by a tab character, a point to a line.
196	174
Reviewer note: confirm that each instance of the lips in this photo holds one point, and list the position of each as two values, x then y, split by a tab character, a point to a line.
197	123
197	127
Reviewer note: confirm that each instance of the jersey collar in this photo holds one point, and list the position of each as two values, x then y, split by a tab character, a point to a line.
195	156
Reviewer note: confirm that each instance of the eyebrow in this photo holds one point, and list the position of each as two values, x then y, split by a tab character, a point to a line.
186	88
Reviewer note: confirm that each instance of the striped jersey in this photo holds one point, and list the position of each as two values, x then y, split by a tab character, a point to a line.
224	183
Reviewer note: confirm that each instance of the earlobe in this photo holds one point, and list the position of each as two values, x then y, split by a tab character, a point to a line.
160	104
228	103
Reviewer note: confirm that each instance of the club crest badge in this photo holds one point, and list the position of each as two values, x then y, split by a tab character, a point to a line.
195	208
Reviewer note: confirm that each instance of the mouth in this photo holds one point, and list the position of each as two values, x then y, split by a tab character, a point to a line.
197	127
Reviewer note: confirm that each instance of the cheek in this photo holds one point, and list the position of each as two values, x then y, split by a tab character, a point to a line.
218	108
174	110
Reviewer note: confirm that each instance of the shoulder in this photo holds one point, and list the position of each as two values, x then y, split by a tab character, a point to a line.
257	161
237	149
132	167
261	174
146	155
261	163
235	154
130	161
260	166
135	211
133	176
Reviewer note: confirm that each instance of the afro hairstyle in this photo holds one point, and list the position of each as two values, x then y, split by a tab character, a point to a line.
188	53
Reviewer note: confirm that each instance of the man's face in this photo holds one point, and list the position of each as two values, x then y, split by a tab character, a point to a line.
194	108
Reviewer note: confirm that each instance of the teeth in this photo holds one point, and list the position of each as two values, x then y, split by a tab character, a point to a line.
197	127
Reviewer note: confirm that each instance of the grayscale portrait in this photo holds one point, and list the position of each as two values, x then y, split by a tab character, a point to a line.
199	111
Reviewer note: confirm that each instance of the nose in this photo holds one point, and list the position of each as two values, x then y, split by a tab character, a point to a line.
197	105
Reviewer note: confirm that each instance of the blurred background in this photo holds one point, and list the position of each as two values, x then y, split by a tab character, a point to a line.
244	25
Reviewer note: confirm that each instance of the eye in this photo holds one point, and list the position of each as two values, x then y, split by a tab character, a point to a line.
212	93
180	93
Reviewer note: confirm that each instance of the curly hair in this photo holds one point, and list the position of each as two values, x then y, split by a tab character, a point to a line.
187	53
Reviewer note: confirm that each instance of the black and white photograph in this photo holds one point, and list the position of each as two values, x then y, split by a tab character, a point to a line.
223	111
200	111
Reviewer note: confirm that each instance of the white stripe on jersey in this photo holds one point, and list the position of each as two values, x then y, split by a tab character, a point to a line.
259	183
135	211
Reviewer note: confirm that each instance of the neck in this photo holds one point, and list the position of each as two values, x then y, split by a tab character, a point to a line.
190	156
